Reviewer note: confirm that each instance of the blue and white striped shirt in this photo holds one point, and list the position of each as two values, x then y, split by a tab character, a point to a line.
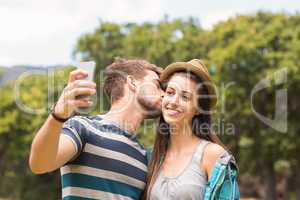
109	164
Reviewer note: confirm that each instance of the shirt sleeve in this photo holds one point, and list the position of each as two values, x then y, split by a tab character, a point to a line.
75	130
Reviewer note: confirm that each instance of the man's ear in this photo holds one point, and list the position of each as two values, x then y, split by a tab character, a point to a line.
131	83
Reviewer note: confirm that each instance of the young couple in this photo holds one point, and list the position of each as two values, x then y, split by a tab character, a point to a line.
100	157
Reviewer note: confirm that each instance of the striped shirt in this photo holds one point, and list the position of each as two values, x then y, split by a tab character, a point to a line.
109	163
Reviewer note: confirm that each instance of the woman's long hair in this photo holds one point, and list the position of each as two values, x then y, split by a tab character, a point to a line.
162	139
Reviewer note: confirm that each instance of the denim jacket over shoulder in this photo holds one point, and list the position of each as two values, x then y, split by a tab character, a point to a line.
223	181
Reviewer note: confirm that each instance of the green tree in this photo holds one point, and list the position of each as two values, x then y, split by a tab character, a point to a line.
23	109
247	49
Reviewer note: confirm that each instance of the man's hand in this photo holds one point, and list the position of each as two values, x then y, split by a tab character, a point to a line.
68	102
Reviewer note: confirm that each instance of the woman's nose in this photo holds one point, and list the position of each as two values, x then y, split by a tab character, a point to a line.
174	99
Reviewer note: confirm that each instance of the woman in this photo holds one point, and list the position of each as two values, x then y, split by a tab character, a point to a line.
188	160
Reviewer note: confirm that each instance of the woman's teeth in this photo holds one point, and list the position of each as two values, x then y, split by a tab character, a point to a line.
172	112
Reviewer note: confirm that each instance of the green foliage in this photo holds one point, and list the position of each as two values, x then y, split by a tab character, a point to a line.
23	110
248	49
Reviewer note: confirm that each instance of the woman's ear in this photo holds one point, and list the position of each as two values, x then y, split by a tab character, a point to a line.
131	83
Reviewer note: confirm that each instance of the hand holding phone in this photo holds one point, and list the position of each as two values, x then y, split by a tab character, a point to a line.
89	67
70	101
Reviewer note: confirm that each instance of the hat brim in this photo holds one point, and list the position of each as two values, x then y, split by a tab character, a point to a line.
188	67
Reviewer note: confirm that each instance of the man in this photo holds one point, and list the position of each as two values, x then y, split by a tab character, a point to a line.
99	156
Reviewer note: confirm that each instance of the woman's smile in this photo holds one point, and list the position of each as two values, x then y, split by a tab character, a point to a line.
172	112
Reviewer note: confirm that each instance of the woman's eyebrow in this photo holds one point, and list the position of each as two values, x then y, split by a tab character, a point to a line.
187	92
170	87
183	91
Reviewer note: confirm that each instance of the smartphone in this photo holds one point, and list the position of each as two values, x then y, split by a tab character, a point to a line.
88	66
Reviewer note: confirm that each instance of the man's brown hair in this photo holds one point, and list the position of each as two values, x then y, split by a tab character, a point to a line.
117	72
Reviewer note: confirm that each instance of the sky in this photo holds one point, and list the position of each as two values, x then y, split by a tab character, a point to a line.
44	32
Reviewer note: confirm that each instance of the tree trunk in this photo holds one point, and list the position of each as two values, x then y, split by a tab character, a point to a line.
270	181
297	181
2	160
237	143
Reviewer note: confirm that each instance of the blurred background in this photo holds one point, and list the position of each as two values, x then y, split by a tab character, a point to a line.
252	50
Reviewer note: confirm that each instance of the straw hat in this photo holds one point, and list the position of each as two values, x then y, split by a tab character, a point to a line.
197	67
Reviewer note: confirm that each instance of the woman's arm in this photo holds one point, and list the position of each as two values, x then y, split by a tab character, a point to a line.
221	169
211	154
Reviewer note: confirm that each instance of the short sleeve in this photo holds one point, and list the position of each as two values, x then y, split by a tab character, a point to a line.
75	130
